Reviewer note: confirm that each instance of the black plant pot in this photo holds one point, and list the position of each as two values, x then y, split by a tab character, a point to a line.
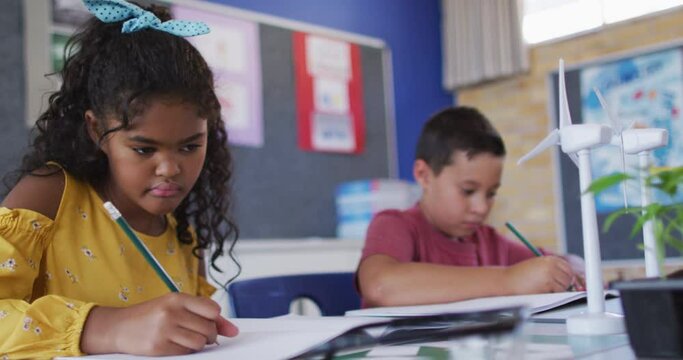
653	309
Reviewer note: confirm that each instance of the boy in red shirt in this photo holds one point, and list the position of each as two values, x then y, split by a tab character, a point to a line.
440	250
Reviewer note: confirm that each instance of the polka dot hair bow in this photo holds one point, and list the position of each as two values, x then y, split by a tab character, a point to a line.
138	19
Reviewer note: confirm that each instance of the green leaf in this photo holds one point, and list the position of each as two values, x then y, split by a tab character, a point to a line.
676	224
606	182
611	218
667	181
638	226
667	220
660	240
676	244
654	210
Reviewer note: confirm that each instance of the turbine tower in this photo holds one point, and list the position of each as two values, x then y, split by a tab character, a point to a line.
577	140
639	142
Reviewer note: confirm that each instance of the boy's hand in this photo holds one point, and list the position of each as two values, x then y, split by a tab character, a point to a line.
578	267
579	283
539	275
173	324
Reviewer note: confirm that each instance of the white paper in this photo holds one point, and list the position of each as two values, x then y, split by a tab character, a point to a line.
266	339
327	57
330	95
333	132
224	48
561	315
234	100
535	302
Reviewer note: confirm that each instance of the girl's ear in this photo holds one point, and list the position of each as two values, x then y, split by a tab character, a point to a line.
92	127
423	173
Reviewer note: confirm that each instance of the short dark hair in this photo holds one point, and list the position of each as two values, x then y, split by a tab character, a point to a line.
454	129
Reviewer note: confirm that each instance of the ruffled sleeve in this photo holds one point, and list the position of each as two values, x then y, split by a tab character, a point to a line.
32	326
204	288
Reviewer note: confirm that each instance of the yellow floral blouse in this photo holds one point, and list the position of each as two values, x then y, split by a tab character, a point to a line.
53	272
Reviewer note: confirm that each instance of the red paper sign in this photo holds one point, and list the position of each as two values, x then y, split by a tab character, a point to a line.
329	94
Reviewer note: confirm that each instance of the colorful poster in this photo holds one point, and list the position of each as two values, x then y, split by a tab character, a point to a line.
329	94
232	51
642	91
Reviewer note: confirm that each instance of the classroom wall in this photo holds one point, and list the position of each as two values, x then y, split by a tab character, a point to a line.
13	132
518	106
410	28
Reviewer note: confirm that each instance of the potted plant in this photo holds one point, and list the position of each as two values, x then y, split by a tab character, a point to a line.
653	307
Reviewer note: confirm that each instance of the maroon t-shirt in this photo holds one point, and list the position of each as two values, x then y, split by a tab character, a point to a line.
407	236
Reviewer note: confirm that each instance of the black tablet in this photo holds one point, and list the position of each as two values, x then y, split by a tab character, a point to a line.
419	329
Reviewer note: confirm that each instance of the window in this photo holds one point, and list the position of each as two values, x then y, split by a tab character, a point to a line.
550	19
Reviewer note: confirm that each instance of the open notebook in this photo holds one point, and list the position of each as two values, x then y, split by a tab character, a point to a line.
536	303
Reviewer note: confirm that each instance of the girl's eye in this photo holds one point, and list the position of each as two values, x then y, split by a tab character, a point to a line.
190	147
491	195
143	150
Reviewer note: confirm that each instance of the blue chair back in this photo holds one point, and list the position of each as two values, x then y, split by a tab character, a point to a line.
333	293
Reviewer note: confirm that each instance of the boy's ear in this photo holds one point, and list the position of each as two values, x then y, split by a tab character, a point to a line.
422	172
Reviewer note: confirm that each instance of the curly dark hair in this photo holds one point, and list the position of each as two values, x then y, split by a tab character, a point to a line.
116	75
453	129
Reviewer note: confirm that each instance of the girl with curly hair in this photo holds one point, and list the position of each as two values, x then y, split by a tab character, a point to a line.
136	122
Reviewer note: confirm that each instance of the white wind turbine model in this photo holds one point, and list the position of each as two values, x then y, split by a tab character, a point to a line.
579	139
639	142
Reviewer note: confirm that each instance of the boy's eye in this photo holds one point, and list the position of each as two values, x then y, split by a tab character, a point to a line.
190	147
143	150
468	192
491	195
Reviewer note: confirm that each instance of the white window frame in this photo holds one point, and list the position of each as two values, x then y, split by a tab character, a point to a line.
603	25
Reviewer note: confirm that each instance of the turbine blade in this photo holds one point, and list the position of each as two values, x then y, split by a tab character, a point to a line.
614	120
617	129
565	116
623	168
574	158
553	138
630	124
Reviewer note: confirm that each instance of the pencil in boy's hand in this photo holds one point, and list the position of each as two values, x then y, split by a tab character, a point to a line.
151	260
523	239
532	248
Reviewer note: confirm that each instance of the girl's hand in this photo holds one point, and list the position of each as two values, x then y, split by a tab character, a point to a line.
173	324
541	274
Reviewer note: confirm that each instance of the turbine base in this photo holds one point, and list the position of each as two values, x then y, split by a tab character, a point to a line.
596	324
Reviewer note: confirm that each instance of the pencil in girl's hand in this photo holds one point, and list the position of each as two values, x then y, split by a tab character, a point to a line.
151	260
523	239
115	215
